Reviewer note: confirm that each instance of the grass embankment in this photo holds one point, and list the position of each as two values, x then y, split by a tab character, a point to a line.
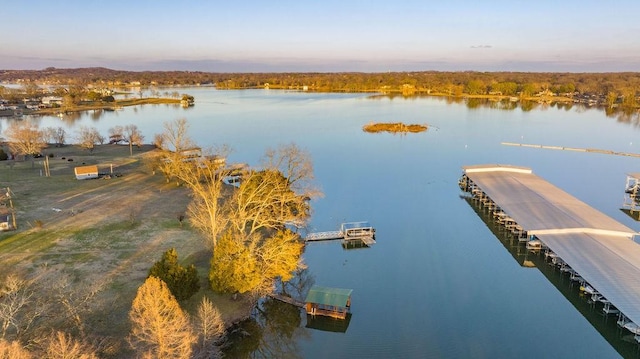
397	127
106	232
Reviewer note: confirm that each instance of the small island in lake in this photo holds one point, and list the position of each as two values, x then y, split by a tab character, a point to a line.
396	127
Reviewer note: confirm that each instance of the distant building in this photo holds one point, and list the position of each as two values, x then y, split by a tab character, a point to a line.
52	100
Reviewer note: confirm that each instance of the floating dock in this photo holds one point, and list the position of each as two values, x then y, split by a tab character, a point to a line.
632	194
359	231
583	241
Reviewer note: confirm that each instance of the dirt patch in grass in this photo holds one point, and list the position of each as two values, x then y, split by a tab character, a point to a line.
104	231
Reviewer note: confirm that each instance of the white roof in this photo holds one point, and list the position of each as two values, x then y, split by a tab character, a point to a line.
595	245
611	264
537	205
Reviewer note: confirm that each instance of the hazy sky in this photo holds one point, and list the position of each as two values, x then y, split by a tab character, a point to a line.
322	35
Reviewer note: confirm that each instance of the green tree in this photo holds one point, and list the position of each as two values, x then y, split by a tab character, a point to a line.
475	87
611	99
527	90
234	265
182	281
253	263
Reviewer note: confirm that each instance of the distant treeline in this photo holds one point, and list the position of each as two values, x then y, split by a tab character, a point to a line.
523	84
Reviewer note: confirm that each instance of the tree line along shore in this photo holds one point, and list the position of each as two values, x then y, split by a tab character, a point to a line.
606	89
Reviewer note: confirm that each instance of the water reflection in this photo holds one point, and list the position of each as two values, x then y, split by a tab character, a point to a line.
328	324
623	114
621	340
275	328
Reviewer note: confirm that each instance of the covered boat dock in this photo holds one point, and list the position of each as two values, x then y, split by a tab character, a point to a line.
593	245
330	302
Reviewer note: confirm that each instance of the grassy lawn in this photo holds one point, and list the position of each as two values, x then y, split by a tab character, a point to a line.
102	232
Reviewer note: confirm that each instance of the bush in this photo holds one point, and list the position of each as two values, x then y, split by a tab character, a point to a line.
182	281
3	155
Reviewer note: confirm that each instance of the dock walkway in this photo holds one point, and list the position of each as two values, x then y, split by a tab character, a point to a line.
595	246
349	231
324	236
285	299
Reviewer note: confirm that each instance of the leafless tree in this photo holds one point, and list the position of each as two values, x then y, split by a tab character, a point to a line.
62	346
209	327
134	136
176	137
25	138
19	307
73	300
88	137
159	327
55	135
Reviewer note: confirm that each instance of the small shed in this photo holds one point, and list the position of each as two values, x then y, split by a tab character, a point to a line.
86	172
330	302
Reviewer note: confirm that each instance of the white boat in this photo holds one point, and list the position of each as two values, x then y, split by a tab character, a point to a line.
534	245
632	327
588	289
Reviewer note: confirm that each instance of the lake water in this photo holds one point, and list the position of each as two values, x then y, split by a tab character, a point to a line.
439	283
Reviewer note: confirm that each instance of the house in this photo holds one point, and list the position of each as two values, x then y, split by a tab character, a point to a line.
330	302
52	100
86	172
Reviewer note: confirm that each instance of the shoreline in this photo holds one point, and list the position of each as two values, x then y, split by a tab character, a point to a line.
88	106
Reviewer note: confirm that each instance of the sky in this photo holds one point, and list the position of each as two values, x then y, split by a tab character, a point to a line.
322	36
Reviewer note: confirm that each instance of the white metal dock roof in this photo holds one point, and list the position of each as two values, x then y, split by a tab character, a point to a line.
537	205
599	248
611	264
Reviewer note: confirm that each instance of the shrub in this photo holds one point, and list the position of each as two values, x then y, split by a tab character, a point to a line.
182	281
3	155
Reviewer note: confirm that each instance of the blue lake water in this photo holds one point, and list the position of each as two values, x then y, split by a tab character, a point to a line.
438	283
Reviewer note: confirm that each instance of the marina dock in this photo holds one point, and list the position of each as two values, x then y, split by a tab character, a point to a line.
594	248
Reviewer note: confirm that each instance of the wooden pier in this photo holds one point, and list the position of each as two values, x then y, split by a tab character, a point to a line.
286	299
575	149
581	240
361	231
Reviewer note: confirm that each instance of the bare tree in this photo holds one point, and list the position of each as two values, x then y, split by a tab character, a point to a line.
88	137
62	346
116	134
209	327
159	327
55	135
176	137
134	136
59	136
25	138
19	308
206	211
73	300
